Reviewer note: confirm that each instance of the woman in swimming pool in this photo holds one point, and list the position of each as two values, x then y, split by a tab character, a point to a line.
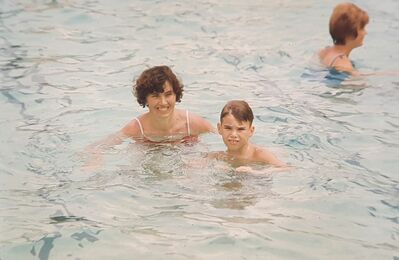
347	29
159	89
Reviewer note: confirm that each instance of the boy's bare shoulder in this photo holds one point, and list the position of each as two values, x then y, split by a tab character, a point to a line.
265	156
261	152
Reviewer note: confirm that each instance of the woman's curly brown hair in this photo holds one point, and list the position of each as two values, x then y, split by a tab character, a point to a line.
152	80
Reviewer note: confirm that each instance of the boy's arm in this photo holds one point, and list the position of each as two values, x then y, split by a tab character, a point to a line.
249	169
267	157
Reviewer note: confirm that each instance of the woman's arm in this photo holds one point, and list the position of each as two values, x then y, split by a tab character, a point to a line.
95	151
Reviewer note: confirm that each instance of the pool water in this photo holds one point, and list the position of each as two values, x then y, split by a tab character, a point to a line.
66	73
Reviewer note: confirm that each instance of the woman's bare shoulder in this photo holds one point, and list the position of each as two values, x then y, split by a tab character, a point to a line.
326	52
323	52
326	55
343	64
132	129
199	124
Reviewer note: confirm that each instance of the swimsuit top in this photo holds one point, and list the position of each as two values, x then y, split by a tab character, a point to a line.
185	139
339	55
334	78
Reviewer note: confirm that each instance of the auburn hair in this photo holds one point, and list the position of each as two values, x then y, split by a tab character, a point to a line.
239	109
345	21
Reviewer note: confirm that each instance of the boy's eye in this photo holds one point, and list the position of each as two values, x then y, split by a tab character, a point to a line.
241	129
227	127
154	94
169	93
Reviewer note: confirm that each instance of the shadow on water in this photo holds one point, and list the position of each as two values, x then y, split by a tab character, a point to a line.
48	245
233	195
86	235
47	242
62	219
236	190
162	162
10	84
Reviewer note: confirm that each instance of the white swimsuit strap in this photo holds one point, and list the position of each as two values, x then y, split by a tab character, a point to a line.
141	127
188	123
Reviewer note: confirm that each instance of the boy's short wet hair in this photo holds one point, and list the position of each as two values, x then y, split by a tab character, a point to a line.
345	21
239	109
152	80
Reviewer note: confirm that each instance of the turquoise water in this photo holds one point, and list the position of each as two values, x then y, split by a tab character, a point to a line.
66	73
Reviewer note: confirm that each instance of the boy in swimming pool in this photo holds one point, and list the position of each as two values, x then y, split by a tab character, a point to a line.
236	129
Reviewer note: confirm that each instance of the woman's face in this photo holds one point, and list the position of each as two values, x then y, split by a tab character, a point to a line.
162	104
358	41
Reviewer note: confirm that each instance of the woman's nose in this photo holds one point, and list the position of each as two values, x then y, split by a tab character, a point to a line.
163	99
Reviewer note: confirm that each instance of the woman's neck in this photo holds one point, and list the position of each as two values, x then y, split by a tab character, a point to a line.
345	49
163	124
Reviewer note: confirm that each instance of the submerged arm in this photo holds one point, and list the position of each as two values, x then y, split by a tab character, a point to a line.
249	169
344	65
95	150
267	157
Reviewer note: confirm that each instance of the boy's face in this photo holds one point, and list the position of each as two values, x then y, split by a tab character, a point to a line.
235	134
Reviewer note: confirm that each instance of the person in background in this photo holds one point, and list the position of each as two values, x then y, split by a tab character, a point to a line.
347	29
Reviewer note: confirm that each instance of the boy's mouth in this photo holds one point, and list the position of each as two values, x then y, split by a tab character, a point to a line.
233	141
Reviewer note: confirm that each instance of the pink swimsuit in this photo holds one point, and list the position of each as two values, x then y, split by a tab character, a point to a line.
185	139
